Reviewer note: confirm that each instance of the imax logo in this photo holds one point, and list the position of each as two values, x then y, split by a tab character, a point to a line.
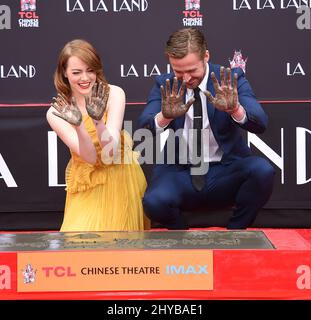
190	269
5	17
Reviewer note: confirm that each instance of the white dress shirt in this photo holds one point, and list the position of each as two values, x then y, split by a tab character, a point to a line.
211	150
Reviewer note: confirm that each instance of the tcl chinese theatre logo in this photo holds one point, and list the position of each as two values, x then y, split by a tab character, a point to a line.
28	17
192	14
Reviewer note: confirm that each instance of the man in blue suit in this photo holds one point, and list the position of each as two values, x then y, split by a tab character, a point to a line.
221	102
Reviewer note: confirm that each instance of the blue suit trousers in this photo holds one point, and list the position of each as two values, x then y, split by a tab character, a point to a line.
245	185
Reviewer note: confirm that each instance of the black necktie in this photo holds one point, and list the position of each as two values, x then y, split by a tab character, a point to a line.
198	181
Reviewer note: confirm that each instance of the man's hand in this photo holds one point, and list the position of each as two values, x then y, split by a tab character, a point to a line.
68	112
226	94
172	101
96	105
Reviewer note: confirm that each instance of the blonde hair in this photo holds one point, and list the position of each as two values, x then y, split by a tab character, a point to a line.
184	41
84	51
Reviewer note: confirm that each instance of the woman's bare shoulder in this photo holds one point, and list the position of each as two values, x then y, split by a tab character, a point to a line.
116	90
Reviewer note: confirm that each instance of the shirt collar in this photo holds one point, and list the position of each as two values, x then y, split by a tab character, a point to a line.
203	83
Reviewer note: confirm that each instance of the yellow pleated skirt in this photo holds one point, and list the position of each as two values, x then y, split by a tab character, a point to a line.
105	197
113	206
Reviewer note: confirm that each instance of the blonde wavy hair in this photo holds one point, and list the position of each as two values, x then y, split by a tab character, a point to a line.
184	41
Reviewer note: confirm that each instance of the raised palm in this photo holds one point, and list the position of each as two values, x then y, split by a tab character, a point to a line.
172	100
69	112
226	94
96	105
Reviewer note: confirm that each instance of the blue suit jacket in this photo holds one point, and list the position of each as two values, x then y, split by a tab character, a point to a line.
227	132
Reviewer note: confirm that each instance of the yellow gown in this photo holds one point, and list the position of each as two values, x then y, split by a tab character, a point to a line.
105	197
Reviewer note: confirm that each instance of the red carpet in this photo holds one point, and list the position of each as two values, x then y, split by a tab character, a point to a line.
281	273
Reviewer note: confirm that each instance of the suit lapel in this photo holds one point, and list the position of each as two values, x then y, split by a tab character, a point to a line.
210	88
179	122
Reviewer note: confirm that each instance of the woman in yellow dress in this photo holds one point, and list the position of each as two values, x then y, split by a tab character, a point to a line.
104	181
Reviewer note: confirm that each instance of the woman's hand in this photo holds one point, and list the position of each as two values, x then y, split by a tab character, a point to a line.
68	112
96	105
